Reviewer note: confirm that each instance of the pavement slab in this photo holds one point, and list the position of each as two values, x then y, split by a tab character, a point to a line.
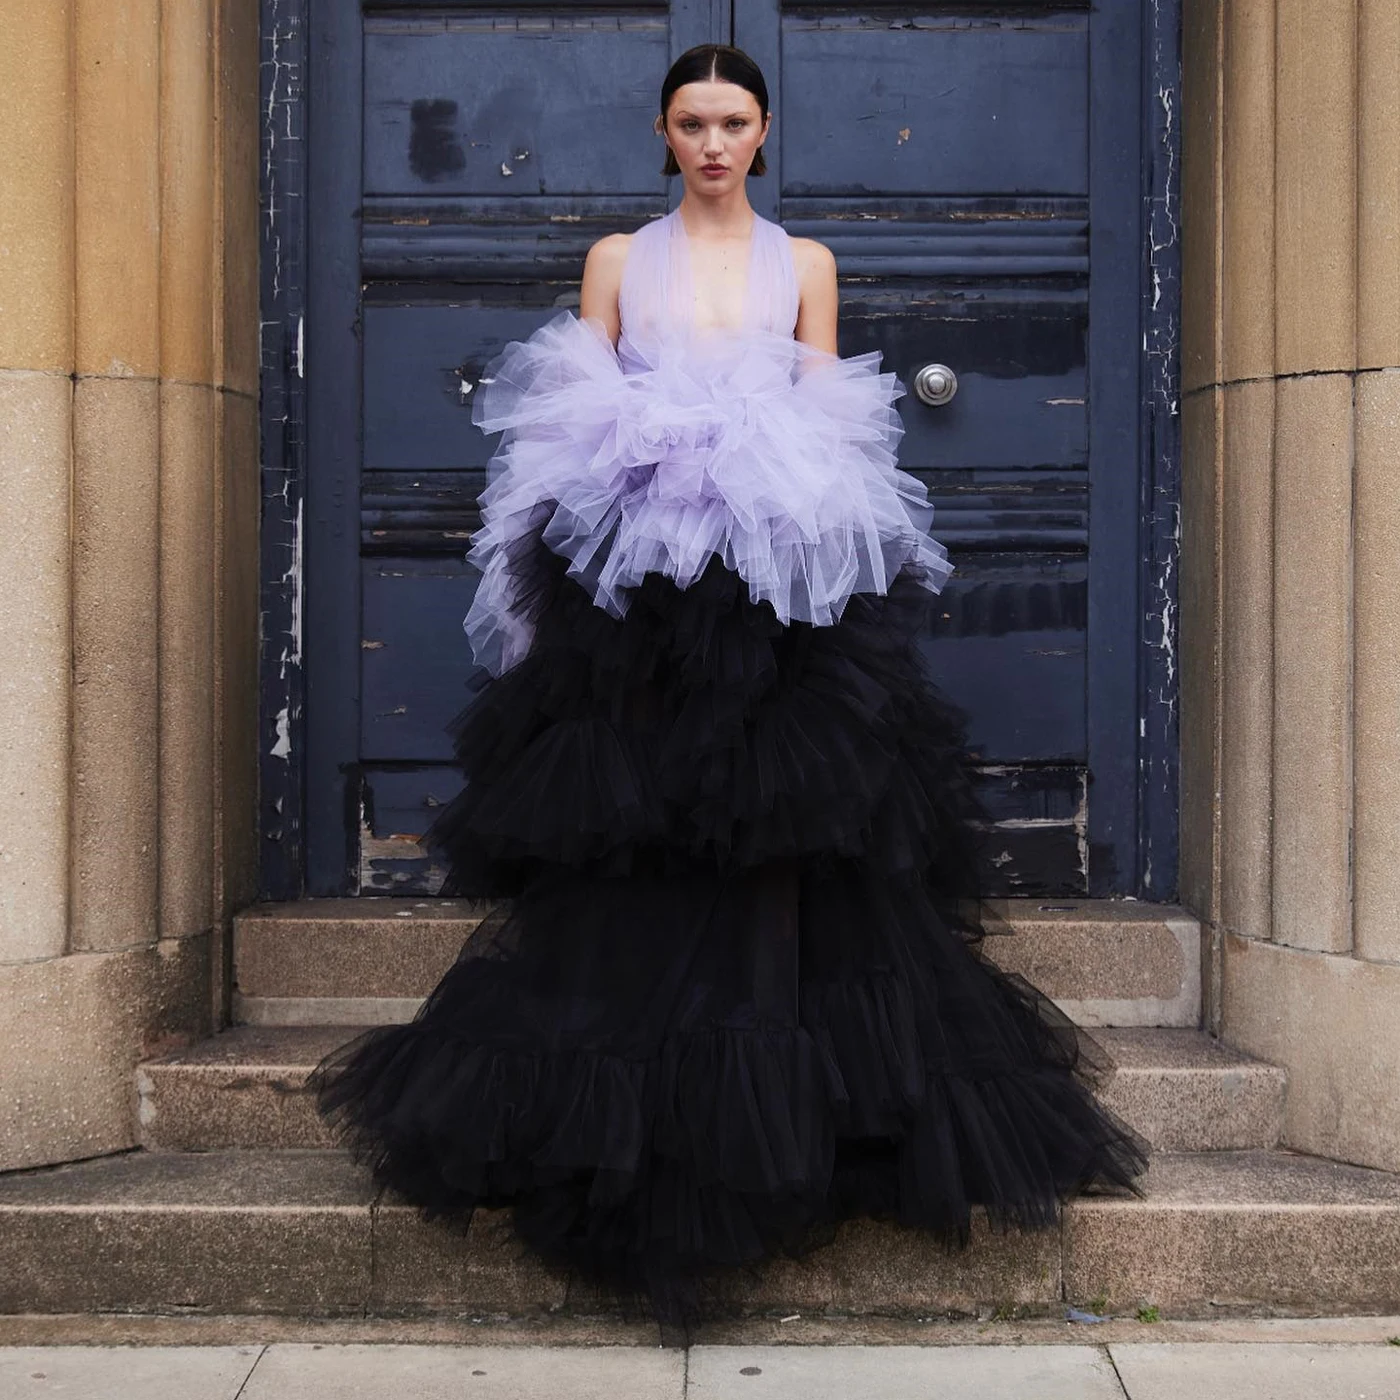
125	1373
481	1373
1258	1371
901	1373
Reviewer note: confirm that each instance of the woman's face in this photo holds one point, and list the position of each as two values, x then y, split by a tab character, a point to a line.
714	128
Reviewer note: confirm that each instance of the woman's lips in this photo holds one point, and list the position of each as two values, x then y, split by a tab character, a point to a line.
713	169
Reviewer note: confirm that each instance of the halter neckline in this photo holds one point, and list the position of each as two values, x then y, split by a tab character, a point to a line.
656	301
685	267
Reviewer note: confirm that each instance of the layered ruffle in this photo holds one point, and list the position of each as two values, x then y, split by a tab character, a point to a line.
658	1100
698	729
736	993
755	449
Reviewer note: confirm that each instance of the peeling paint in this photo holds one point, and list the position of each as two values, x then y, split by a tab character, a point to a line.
1081	828
283	747
389	862
292	588
282	364
1158	763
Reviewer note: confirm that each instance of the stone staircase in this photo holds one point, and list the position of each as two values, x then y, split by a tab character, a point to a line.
239	1202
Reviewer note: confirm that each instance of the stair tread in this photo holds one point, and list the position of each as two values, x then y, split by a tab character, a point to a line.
1139	1048
265	1049
1255	1177
1025	913
275	1179
1015	914
261	1048
258	1179
364	910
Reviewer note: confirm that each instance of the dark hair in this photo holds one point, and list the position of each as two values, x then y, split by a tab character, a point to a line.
723	63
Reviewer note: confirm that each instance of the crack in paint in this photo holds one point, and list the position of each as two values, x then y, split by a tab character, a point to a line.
1161	345
282	367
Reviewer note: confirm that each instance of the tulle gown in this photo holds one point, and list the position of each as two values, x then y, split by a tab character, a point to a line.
731	990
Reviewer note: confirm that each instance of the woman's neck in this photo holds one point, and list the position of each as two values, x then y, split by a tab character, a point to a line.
716	220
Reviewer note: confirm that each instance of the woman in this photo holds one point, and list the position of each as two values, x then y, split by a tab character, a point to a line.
735	996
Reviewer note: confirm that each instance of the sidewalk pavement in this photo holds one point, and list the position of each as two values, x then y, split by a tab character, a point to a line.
299	1371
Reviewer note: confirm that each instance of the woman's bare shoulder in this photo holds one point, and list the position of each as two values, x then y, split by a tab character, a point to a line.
609	252
810	257
602	280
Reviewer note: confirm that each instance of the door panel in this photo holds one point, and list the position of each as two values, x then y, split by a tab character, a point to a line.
958	104
460	103
954	163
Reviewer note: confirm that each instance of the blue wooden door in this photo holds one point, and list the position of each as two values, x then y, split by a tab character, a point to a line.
979	174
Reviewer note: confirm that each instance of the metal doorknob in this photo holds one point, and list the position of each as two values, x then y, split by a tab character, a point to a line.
935	385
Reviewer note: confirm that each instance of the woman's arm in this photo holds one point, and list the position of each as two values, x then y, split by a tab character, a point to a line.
602	281
815	265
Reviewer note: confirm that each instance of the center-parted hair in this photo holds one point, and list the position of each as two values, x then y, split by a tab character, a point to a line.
715	62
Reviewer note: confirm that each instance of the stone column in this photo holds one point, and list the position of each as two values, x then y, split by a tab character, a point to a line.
128	444
1291	403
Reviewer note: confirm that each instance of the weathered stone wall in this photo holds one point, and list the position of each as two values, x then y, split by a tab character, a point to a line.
1291	587
128	548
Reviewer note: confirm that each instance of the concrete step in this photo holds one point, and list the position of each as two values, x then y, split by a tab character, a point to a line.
368	961
1186	1092
348	962
1105	962
246	1088
299	1232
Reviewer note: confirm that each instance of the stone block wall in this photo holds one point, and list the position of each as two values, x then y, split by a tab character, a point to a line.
1291	586
128	548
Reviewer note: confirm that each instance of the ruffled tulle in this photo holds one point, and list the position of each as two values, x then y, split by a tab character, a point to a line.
736	994
698	729
755	449
652	1116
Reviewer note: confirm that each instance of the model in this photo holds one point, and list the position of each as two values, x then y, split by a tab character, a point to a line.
729	992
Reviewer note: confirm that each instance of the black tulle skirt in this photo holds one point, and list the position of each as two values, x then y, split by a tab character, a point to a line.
731	990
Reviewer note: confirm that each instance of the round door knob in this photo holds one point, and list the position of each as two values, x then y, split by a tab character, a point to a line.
935	385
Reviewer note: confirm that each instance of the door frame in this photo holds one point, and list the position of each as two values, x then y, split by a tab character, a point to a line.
311	643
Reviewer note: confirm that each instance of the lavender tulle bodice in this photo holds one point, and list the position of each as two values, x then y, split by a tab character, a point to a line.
687	443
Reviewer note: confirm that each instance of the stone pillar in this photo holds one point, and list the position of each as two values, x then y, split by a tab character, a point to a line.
1291	405
128	450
